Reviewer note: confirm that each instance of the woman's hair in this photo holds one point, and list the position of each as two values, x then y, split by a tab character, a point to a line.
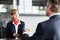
12	11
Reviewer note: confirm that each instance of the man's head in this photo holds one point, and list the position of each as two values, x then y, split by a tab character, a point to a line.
51	8
14	14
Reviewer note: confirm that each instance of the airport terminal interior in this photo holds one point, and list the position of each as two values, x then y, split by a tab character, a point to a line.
31	12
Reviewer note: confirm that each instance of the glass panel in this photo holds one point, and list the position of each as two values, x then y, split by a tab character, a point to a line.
39	6
9	2
32	6
25	6
5	7
39	2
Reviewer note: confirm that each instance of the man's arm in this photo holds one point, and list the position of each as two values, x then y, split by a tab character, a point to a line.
39	34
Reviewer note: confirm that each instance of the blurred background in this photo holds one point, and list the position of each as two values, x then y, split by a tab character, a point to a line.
31	12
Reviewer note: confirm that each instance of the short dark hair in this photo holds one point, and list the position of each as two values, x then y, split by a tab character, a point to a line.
54	8
53	4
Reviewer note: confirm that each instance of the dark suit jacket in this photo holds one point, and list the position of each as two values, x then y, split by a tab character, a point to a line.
48	29
10	29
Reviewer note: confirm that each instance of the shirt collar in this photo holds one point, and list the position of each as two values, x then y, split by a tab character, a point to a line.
17	24
54	14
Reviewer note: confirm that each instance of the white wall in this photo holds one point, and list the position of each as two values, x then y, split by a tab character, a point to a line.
32	21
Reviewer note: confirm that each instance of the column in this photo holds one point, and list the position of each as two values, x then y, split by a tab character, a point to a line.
21	6
28	6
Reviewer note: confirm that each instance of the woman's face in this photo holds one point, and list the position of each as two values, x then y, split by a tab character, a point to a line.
15	15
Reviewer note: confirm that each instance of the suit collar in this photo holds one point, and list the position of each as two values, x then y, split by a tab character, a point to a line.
54	14
55	17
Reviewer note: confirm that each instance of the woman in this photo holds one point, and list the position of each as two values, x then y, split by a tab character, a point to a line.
15	27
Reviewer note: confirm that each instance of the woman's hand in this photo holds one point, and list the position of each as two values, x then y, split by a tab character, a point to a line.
16	35
27	31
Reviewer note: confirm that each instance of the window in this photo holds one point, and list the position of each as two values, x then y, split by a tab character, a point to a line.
9	2
39	2
39	6
5	7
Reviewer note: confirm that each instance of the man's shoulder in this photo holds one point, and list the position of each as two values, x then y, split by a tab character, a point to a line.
44	22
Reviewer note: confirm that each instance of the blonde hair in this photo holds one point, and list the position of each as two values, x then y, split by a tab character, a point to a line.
12	11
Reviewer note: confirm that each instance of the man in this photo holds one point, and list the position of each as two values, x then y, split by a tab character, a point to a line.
15	27
48	29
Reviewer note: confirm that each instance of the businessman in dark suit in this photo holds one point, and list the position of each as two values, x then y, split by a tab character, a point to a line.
48	30
15	27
